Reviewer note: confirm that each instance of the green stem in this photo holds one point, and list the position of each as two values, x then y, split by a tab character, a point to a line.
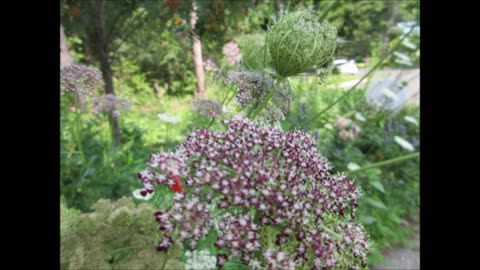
386	162
129	247
165	261
77	138
266	100
166	134
363	78
332	233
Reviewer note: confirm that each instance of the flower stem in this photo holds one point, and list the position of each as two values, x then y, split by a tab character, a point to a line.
166	134
363	78
165	261
77	137
386	162
265	101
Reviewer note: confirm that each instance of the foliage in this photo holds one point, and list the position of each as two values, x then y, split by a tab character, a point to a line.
150	53
117	235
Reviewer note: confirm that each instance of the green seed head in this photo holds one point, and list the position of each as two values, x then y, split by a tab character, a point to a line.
297	41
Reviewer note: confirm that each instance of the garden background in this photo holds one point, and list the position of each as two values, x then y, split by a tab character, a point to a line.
156	57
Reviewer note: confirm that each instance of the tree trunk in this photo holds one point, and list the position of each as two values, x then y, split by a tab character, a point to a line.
197	52
65	57
102	52
65	60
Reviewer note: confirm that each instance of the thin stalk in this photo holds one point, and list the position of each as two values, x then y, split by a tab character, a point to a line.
165	261
363	78
77	138
264	103
166	134
386	162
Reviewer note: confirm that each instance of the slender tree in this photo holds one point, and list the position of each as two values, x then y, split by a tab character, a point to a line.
102	51
197	52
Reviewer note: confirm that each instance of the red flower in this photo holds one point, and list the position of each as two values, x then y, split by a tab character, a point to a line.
178	185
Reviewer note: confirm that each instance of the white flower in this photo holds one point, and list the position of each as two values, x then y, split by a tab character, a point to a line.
227	109
200	260
404	143
411	120
165	117
390	94
136	194
352	166
359	117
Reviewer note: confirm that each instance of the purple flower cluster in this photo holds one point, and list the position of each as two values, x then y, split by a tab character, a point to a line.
80	79
253	88
209	65
232	52
206	107
259	176
110	102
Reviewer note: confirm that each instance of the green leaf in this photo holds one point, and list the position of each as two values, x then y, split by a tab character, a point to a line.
235	265
377	204
367	220
378	185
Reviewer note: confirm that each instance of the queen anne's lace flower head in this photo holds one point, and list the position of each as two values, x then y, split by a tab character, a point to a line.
259	176
206	108
110	102
297	41
80	79
167	118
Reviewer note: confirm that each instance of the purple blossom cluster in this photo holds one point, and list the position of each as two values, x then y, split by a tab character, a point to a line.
258	176
232	52
110	102
252	90
80	79
209	65
206	107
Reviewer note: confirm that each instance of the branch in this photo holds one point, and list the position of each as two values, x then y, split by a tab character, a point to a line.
113	28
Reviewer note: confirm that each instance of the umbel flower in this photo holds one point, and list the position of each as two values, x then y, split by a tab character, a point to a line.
297	41
252	90
110	102
251	179
206	107
232	52
80	79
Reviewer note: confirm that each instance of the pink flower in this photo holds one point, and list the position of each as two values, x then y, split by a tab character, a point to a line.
73	108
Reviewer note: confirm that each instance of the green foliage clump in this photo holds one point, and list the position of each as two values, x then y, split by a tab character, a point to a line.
117	235
297	41
254	53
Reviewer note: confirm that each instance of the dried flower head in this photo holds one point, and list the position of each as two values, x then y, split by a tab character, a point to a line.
206	107
80	79
342	123
348	130
297	41
110	103
248	178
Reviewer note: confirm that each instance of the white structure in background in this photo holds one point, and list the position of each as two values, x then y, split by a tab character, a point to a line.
387	94
345	67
